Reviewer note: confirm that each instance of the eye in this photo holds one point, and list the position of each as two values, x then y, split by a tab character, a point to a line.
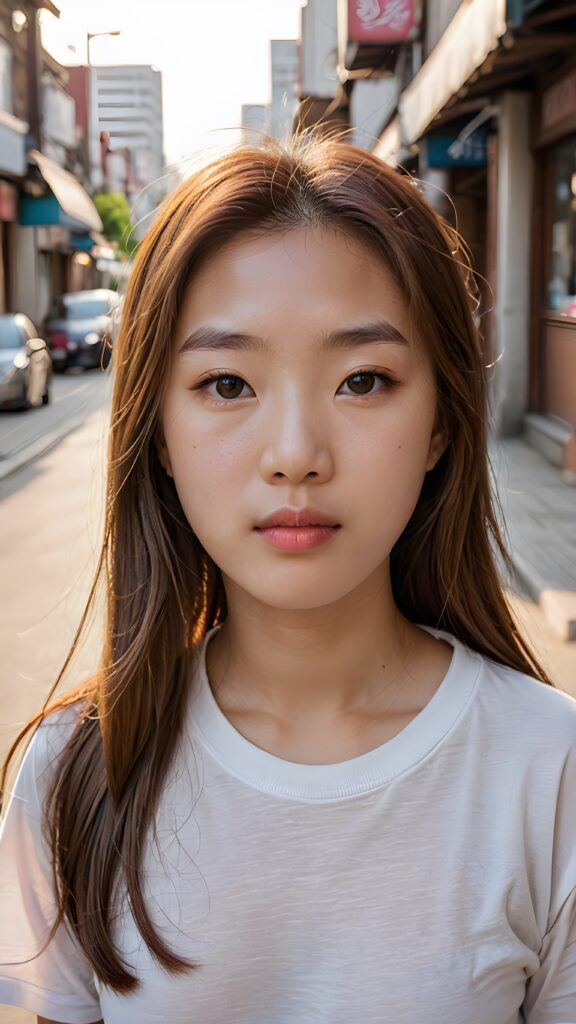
228	386
363	382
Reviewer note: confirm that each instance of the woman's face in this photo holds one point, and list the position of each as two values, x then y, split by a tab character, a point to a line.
327	400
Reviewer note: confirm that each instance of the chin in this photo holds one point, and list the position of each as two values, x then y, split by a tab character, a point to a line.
301	596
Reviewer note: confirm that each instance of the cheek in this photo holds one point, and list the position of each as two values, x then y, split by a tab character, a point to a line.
396	443
208	468
204	474
385	467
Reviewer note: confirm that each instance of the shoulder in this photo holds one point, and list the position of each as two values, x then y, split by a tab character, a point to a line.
22	832
528	695
525	712
44	750
510	699
51	978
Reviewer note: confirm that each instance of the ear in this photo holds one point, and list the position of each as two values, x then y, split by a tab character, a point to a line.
438	445
163	455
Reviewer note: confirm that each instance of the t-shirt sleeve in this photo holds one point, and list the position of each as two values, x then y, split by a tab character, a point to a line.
58	983
551	991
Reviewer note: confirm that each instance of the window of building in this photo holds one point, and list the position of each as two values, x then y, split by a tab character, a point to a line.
5	77
562	282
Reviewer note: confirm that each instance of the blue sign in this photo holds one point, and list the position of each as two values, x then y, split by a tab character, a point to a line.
36	211
449	151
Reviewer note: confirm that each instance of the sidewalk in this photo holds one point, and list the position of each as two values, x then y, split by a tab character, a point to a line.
40	445
539	515
26	436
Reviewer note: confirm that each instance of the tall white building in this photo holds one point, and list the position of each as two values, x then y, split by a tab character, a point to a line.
126	105
318	76
284	73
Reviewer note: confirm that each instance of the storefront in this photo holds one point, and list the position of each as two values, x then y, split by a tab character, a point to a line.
49	224
501	79
8	214
553	326
13	133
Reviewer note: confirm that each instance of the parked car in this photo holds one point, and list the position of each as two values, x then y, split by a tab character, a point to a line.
79	328
25	363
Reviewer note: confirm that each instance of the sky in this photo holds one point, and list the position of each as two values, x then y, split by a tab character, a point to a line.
214	56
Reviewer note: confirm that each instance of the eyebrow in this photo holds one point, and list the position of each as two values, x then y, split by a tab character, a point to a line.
362	334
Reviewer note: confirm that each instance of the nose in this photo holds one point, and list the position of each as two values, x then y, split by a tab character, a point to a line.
296	442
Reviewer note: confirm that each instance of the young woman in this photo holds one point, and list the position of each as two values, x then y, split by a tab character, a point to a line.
320	776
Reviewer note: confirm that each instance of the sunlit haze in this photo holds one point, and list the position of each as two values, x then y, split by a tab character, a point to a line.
214	55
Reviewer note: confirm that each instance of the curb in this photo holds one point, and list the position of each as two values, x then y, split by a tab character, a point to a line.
558	606
40	446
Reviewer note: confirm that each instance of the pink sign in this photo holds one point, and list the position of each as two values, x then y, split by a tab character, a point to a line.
8	201
381	21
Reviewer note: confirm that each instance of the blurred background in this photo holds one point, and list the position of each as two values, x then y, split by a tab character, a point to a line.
106	105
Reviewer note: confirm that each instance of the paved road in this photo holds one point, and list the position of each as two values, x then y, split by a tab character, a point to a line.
50	522
73	394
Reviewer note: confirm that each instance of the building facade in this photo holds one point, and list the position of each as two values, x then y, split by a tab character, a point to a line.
48	222
551	421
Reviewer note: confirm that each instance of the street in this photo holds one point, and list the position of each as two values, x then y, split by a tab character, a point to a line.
73	393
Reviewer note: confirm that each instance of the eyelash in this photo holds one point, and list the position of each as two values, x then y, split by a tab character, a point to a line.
388	384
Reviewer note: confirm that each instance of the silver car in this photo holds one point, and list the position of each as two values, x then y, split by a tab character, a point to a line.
25	364
79	328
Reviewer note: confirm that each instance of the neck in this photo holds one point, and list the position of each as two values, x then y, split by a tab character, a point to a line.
296	664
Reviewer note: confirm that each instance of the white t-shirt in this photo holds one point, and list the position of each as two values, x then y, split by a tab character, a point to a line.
431	879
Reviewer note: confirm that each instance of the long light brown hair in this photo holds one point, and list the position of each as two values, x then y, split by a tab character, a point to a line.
163	590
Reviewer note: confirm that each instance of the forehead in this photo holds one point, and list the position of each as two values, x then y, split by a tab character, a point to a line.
254	269
307	279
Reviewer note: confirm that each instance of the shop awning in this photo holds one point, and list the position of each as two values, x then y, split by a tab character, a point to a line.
473	33
389	143
71	196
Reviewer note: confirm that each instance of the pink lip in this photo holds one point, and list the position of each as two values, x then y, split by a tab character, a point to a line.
301	517
297	538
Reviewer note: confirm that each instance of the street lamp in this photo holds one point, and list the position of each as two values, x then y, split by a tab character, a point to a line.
92	35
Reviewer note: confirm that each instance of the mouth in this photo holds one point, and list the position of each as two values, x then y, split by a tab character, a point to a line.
291	518
297	538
